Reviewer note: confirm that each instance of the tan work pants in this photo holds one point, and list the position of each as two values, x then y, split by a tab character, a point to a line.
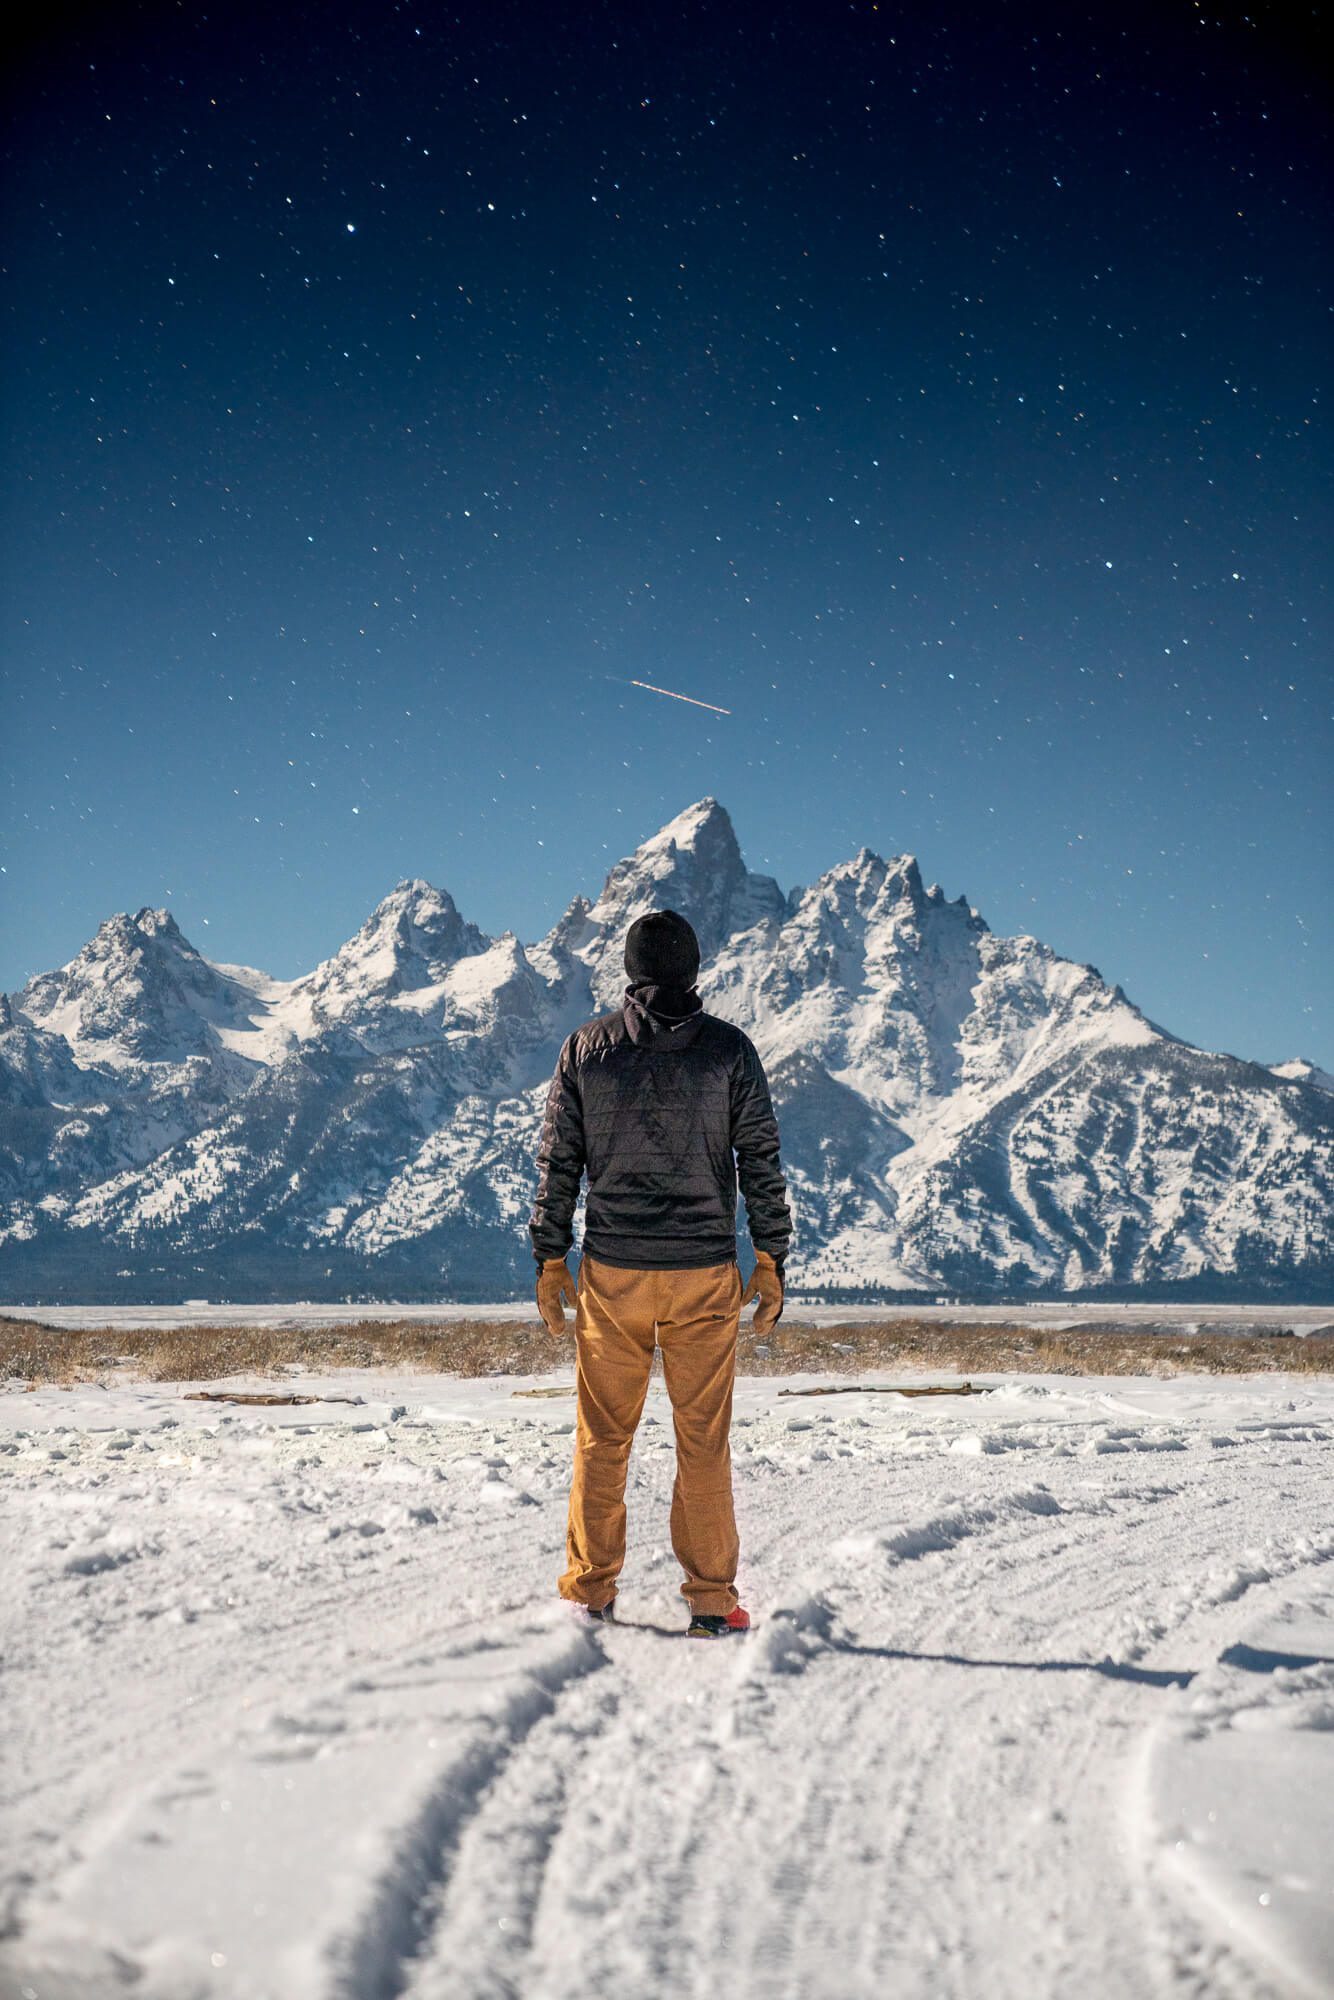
694	1315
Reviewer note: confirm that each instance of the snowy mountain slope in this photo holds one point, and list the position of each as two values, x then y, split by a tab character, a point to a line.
37	1068
1298	1070
139	993
959	1111
388	985
909	999
1157	1160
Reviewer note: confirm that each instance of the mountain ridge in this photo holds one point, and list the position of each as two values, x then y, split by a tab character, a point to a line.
959	1111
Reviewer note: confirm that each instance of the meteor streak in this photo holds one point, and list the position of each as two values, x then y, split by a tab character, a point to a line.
681	697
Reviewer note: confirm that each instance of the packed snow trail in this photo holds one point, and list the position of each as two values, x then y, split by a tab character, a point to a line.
291	1713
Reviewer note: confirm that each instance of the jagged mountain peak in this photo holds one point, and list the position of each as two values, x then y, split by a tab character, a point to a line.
122	931
705	824
869	890
409	941
417	900
570	930
138	991
699	845
707	820
556	957
692	864
418	918
150	943
1299	1070
159	923
866	865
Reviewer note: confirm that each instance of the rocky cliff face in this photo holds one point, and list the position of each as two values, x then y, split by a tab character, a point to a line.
959	1112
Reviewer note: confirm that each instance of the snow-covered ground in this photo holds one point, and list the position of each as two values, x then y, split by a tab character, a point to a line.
1274	1319
1040	1700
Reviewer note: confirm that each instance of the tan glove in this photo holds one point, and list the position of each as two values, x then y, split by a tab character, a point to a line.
555	1288
766	1285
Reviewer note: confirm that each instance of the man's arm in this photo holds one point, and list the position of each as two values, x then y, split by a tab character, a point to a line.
755	1142
560	1161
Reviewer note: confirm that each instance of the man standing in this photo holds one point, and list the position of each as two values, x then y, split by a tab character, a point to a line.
666	1107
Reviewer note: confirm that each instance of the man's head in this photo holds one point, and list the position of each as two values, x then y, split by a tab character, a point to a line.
661	949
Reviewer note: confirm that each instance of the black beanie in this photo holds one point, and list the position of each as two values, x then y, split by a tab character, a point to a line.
661	949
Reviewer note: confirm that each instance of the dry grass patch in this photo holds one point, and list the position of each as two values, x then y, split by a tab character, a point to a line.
31	1354
1023	1350
203	1353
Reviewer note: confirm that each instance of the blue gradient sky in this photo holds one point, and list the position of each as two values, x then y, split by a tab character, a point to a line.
942	397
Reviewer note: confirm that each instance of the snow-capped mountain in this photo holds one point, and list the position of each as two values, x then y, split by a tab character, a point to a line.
1302	1071
959	1112
139	997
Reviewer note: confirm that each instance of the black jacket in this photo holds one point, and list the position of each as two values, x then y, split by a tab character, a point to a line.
655	1108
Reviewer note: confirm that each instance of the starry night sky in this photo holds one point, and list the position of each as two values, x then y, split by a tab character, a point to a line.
388	386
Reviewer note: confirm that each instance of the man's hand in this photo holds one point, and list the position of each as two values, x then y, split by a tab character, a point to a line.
555	1287
766	1285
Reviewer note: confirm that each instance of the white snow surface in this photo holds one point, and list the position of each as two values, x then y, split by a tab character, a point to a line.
1040	1699
1131	1316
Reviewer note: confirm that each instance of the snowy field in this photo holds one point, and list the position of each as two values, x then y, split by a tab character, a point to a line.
1040	1701
1275	1319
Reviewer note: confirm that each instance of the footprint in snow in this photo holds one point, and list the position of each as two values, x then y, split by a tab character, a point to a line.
95	1562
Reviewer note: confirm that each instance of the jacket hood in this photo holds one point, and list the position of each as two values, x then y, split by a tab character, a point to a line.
662	1017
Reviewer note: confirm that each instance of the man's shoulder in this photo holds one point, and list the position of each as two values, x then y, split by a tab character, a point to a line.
725	1035
601	1031
595	1036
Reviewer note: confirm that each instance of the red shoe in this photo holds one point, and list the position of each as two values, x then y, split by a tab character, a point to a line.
708	1625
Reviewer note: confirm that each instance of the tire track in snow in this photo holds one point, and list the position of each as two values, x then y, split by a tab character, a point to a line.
911	1779
675	1778
1019	1828
1044	1816
623	1871
480	1927
377	1959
